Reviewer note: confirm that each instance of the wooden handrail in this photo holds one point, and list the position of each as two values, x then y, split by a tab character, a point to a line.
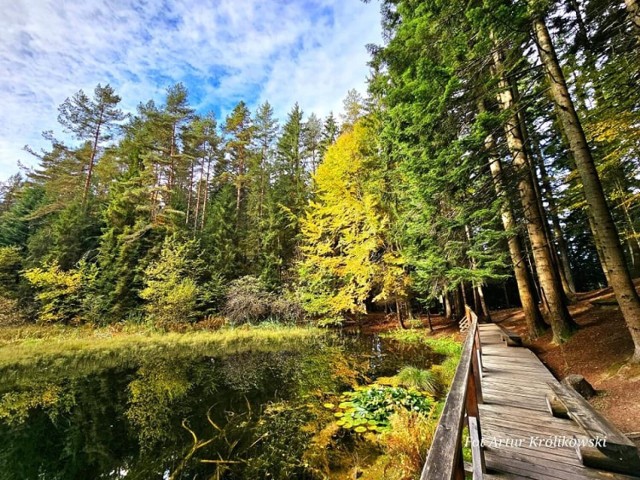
444	461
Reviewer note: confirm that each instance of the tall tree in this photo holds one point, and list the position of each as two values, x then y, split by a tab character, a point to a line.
604	228
91	119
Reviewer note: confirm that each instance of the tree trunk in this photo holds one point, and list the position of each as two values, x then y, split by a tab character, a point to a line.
561	243
633	8
458	304
596	241
92	159
206	193
399	315
190	195
533	318
447	306
483	303
605	228
559	271
505	292
561	322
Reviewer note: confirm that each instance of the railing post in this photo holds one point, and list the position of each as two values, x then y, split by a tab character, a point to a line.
478	345
473	399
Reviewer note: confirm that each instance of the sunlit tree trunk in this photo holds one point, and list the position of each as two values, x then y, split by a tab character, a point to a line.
561	322
533	318
633	7
604	227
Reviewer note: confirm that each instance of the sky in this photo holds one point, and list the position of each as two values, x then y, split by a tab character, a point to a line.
223	51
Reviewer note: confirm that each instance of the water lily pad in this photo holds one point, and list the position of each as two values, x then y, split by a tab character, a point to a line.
330	406
360	429
338	414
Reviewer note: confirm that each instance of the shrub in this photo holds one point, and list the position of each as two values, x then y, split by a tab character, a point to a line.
170	291
58	292
424	380
407	443
248	301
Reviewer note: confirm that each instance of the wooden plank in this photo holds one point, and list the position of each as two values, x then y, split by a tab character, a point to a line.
477	455
551	469
522	402
528	428
560	455
594	424
502	411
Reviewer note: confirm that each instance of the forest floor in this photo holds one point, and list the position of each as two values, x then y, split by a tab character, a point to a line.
598	351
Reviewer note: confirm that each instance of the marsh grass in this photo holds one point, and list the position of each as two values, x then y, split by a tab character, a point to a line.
445	345
419	379
79	351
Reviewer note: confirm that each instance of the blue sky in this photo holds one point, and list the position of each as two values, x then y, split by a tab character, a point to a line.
224	51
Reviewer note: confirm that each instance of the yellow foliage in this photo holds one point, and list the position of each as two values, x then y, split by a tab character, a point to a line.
57	291
348	256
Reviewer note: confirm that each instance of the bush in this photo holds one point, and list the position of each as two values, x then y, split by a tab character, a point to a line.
407	443
59	292
424	380
170	291
248	301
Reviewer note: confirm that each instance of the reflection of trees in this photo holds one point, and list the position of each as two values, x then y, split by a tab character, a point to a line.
117	421
264	444
155	398
80	436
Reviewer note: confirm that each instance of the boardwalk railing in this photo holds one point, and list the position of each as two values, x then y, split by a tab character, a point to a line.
445	456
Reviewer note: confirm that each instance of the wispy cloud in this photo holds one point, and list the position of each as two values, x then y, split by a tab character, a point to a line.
310	51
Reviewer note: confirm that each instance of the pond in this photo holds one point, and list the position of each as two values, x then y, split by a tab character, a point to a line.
184	414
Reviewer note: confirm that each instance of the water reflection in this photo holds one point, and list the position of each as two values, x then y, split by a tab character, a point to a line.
180	415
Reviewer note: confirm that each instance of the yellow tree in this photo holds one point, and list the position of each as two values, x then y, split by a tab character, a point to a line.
348	255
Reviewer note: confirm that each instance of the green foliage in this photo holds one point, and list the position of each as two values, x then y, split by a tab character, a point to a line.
58	293
419	379
170	289
370	408
10	266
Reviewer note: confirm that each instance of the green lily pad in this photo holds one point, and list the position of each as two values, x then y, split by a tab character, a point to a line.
330	406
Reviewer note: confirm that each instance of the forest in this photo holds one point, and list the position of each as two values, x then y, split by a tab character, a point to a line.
492	150
493	162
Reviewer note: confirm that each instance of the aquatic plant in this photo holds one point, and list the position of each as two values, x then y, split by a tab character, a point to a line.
369	408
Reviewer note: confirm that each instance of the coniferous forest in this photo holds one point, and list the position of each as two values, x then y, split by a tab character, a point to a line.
493	162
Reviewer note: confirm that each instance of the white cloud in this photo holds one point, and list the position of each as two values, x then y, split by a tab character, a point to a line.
283	51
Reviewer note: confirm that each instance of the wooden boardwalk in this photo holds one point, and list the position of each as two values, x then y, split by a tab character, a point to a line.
521	438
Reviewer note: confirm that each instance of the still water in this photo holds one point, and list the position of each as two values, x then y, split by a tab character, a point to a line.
175	414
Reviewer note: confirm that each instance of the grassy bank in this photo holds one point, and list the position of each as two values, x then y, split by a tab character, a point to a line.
79	349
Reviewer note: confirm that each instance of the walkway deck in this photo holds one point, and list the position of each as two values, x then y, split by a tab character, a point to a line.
515	422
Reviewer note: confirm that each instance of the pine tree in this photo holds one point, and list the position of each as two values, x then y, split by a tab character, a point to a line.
91	120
